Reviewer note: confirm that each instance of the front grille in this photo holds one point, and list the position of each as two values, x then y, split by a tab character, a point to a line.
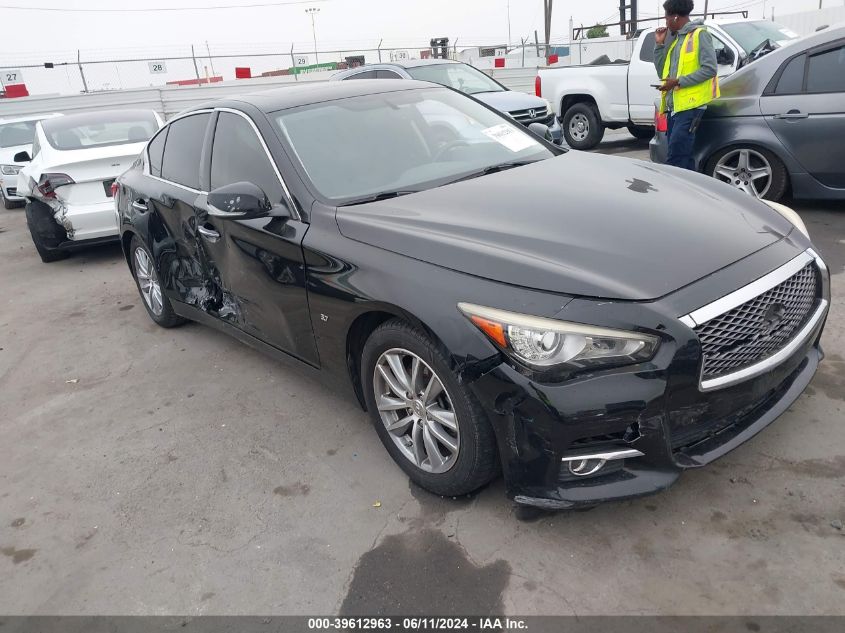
530	115
759	327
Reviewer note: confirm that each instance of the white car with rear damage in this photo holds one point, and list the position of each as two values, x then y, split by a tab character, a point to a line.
67	181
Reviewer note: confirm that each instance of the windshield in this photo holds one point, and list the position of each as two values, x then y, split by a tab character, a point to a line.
401	141
85	131
18	133
458	76
749	35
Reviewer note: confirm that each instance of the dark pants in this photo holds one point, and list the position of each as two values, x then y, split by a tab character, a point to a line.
681	133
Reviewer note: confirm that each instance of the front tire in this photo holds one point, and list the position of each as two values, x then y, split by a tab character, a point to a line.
432	426
582	127
152	294
7	204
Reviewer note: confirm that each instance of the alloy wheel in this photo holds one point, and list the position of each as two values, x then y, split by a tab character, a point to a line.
148	282
416	410
579	127
745	169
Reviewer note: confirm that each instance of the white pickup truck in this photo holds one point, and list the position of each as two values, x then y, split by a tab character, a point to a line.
590	98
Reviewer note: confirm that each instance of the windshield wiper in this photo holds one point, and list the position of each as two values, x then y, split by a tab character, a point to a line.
384	195
493	169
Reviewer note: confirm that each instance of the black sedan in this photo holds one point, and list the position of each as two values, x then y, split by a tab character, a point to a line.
780	123
591	326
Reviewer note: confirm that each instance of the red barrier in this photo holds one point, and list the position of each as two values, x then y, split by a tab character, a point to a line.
243	73
499	62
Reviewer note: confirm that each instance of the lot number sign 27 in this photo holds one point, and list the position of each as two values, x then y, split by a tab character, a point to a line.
11	76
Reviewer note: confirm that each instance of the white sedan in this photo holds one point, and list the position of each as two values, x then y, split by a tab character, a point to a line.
68	179
16	136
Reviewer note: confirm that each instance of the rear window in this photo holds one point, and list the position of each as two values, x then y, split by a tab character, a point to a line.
792	79
101	129
18	133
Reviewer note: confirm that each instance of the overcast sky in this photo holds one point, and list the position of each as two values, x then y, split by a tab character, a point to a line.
339	23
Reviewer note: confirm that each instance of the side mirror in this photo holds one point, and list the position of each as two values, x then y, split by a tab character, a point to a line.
541	130
22	157
724	57
242	200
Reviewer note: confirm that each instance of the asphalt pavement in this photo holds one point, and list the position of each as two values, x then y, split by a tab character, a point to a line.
152	471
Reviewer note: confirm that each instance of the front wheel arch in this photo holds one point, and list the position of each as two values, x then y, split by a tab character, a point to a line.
362	328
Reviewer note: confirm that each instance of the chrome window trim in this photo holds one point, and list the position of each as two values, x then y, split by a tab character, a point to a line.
747	293
294	211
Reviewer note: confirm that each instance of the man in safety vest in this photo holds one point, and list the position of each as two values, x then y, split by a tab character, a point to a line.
688	70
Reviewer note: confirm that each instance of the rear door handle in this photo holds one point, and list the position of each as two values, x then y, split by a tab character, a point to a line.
139	205
792	115
210	234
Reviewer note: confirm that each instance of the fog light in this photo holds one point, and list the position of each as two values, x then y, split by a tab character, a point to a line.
584	465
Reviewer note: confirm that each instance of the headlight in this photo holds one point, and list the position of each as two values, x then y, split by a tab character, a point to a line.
9	170
546	343
790	215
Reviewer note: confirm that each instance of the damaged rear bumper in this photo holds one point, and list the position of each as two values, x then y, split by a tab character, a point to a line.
60	230
646	428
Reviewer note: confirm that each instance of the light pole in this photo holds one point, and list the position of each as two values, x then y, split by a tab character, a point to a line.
312	12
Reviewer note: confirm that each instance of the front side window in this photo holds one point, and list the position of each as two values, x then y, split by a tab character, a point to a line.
238	156
84	131
826	71
458	76
407	140
182	150
18	133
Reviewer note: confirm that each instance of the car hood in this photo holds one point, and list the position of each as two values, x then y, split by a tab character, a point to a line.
580	224
509	100
7	154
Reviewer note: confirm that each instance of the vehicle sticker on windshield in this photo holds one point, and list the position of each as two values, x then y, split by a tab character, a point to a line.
510	137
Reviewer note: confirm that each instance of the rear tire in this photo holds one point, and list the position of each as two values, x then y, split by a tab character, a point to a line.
47	255
582	127
753	158
641	132
475	461
146	276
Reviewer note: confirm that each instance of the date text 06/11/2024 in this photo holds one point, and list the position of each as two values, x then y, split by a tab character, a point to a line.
417	624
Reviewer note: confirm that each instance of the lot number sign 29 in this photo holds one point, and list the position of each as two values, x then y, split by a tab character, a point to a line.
157	68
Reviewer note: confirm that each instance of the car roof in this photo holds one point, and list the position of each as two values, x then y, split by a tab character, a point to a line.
318	92
29	117
87	118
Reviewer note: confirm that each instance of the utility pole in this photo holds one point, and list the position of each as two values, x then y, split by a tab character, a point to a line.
509	23
210	61
547	10
312	12
706	2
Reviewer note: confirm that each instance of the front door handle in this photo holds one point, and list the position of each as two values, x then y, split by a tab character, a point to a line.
139	205
792	115
210	234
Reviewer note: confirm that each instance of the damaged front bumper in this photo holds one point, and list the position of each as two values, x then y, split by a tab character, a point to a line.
627	434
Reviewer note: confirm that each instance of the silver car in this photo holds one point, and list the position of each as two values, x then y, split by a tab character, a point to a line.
779	124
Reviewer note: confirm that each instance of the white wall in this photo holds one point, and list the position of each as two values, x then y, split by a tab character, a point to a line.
807	22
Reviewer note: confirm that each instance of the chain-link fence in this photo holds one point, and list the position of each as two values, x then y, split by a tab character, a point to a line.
105	70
